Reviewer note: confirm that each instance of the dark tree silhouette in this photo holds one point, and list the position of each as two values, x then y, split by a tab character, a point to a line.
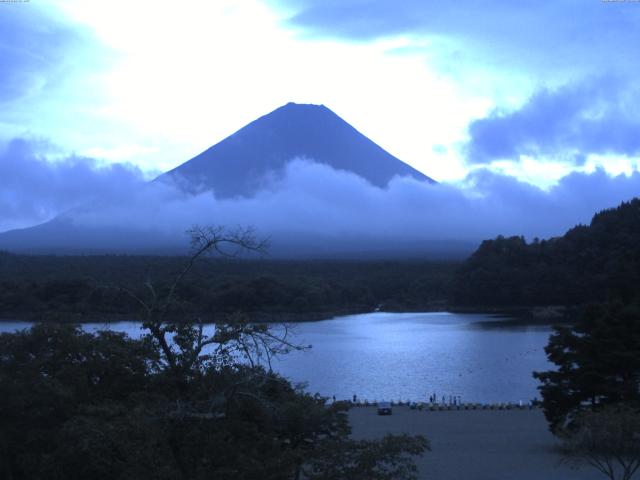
598	363
176	404
594	263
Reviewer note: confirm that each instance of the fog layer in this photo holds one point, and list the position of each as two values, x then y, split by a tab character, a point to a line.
34	190
311	208
314	201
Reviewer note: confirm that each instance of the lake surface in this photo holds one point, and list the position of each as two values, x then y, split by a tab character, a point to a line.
400	356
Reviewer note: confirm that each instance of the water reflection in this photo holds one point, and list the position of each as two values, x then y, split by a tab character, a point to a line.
406	356
411	356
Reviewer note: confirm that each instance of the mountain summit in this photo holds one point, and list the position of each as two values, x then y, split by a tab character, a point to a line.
244	162
152	218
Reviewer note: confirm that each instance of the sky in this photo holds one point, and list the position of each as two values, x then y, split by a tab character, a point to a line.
97	96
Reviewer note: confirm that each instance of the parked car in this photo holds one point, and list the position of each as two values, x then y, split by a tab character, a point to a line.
384	408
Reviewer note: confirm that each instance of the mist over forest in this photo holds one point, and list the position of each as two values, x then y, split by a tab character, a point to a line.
308	209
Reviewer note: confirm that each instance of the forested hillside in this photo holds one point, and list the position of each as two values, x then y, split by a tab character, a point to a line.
79	288
593	263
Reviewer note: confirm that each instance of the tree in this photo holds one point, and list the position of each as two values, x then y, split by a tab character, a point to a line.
608	440
49	377
598	262
598	362
592	400
162	315
178	403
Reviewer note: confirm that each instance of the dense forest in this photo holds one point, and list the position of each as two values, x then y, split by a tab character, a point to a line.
77	288
177	403
103	406
594	263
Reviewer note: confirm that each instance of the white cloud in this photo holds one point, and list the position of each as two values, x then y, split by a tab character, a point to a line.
183	77
157	82
34	190
313	202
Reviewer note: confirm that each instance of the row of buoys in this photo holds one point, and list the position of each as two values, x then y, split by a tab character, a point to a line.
478	406
434	407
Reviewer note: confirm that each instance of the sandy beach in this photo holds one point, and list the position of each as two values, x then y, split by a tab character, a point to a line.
476	444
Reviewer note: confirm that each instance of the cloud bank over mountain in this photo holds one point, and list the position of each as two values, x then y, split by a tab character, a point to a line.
34	190
311	208
315	199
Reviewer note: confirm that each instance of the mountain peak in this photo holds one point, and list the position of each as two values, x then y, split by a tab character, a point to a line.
243	163
300	106
294	104
292	111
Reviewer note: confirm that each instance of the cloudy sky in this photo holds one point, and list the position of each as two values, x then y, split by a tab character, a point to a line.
97	94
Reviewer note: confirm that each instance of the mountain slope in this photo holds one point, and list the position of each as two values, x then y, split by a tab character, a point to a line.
153	217
249	159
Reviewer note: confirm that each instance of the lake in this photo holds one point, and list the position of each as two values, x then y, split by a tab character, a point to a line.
400	356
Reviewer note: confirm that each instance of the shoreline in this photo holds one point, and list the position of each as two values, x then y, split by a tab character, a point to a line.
501	317
255	317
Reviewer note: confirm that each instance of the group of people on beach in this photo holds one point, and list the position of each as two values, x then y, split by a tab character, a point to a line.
433	399
453	400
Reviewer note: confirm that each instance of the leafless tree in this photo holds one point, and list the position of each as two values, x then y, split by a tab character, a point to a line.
183	343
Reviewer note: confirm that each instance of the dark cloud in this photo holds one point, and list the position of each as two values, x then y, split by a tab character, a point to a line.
557	34
591	117
367	19
33	190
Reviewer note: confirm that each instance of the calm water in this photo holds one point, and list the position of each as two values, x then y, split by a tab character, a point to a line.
407	356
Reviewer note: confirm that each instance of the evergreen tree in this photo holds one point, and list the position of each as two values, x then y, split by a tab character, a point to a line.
598	363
